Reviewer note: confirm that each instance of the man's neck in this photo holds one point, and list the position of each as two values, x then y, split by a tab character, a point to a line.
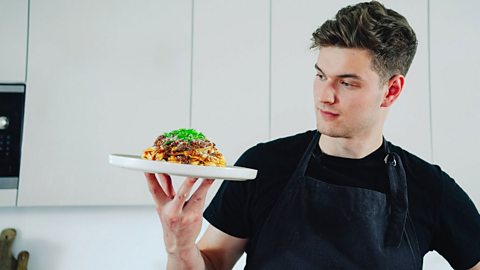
350	147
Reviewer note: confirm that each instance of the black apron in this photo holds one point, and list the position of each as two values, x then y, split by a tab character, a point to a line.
316	225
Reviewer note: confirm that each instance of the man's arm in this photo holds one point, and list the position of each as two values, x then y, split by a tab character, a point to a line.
181	219
220	250
216	250
476	267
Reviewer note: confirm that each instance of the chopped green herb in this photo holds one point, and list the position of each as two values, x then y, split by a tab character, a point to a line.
167	142
184	135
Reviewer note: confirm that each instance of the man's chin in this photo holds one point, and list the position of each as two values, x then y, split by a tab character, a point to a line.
331	133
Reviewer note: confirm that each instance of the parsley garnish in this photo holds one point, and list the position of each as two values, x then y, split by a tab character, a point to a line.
184	135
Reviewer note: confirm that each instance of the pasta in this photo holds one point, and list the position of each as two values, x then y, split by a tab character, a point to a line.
185	146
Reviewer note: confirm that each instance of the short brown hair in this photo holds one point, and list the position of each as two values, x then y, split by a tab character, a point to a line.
384	32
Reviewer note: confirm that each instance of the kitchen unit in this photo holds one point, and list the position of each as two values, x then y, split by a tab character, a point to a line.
13	40
108	77
12	101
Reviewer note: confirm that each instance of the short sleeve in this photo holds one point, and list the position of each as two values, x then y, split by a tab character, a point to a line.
457	232
228	210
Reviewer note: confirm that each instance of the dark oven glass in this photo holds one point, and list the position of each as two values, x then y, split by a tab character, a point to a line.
12	103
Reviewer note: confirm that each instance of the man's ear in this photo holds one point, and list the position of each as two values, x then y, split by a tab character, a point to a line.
395	87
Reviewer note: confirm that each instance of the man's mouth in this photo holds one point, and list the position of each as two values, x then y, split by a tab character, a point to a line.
327	114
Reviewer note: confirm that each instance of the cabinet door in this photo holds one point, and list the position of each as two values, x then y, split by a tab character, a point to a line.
293	72
103	77
8	197
408	123
293	63
13	40
455	62
230	94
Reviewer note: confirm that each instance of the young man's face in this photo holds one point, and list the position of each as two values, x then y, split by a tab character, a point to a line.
347	93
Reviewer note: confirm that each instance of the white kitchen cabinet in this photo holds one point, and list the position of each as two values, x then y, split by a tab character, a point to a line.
408	124
230	75
293	73
230	93
13	40
103	77
8	197
455	62
293	63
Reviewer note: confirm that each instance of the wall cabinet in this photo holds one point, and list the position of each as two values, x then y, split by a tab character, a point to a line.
109	77
408	123
455	94
8	197
104	77
13	55
230	93
230	83
293	63
13	40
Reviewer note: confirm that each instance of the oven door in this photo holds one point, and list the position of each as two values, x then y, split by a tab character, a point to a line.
12	103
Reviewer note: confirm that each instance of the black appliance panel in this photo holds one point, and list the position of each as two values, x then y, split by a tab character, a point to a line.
12	102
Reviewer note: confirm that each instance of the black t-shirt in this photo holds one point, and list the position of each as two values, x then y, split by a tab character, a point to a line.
444	217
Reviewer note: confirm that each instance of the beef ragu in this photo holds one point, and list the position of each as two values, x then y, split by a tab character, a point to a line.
185	146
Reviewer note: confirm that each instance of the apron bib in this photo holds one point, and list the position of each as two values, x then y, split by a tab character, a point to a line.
317	225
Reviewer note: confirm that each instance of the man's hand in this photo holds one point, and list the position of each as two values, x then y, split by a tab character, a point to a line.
181	218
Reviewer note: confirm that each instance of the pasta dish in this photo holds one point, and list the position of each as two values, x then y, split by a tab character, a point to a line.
185	146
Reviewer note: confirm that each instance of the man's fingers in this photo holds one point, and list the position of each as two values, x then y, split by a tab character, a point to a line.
166	183
161	188
159	196
197	201
183	193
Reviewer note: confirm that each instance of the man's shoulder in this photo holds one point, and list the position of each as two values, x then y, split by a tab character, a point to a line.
418	167
279	151
294	142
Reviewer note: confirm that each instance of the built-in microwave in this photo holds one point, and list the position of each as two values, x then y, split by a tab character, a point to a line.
12	104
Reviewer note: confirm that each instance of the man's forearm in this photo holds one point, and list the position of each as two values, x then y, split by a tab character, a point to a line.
187	260
476	267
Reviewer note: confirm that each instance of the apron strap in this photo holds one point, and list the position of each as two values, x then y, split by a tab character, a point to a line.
398	200
303	164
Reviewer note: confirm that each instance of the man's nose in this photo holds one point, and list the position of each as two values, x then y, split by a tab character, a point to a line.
326	93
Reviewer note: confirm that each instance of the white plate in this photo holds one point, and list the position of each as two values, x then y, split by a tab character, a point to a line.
137	163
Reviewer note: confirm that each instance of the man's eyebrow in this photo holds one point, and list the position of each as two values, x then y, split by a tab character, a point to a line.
347	75
353	76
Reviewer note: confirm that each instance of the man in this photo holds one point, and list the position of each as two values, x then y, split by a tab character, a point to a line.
340	197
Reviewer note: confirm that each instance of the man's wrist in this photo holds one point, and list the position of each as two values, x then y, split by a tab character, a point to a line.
188	258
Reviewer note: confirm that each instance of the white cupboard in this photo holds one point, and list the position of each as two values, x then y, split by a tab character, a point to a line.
455	92
293	63
408	123
13	40
103	77
230	74
230	94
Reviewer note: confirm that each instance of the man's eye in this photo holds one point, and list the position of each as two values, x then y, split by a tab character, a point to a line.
346	84
321	76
